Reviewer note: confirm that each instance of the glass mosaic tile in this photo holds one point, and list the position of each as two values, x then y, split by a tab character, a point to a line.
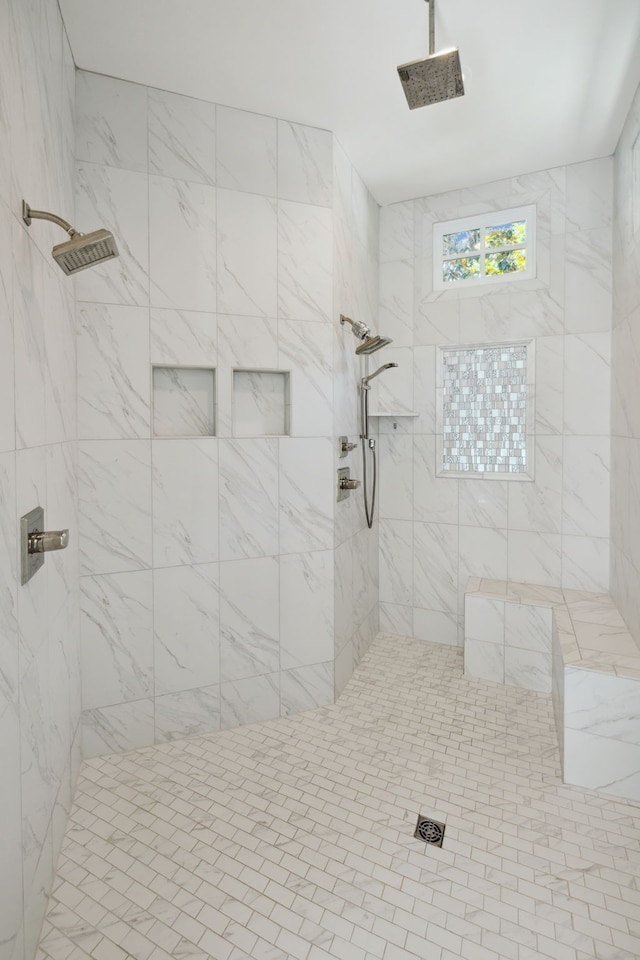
485	399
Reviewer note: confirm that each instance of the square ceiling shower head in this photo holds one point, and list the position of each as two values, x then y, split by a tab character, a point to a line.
436	78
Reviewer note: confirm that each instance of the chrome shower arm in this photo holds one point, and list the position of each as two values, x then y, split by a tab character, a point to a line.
28	214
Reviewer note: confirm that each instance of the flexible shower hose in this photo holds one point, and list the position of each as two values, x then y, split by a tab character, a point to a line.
364	410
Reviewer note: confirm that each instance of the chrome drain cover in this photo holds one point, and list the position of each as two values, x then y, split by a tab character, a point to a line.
431	831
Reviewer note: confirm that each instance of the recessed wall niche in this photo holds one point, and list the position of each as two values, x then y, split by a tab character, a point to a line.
261	405
184	402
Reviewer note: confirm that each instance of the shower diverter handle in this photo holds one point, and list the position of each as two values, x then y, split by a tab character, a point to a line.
47	541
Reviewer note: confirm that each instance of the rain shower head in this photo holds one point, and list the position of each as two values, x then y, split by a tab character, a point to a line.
371	344
436	77
82	250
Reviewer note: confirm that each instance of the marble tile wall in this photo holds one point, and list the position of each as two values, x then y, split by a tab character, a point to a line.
435	532
39	635
356	239
208	562
625	413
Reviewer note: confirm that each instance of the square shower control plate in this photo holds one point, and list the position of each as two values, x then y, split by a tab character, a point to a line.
30	563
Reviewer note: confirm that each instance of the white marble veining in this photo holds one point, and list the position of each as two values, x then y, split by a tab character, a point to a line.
111	122
184	402
249	618
28	338
260	403
247	254
395	477
7	395
113	350
185	472
588	282
248	498
307	493
187	713
250	700
124	726
182	337
306	608
397	232
435	559
396	301
306	350
304	262
246	151
585	501
484	660
306	688
182	137
534	557
117	638
305	163
396	561
182	244
435	499
530	669
587	361
115	531
528	627
118	201
186	628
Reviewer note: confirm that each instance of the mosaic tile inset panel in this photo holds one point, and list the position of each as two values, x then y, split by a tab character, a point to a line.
484	409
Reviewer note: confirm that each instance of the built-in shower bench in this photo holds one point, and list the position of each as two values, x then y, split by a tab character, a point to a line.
576	646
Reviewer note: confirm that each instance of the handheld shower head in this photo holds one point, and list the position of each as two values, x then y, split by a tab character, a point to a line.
364	383
81	250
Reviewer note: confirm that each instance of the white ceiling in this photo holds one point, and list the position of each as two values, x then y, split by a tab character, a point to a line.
548	82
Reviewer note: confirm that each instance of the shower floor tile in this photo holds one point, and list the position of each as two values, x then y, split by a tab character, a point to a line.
293	839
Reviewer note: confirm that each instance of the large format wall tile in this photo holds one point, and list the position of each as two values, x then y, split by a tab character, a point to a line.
117	638
246	152
182	137
248	498
111	122
249	618
247	254
306	609
115	530
186	628
182	244
113	350
305	164
115	200
304	262
185	501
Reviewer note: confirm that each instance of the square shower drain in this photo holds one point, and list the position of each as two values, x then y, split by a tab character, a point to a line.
431	831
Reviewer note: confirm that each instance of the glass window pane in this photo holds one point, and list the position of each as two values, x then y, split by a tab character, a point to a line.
462	242
506	234
462	269
510	261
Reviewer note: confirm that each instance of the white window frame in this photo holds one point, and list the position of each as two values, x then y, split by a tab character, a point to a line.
526	475
483	220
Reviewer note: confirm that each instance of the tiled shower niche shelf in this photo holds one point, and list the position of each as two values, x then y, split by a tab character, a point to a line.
184	402
261	405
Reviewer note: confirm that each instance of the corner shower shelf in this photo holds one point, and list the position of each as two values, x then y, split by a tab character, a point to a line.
389	413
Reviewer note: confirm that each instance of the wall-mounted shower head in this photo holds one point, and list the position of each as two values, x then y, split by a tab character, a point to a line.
358	328
436	77
82	250
364	383
371	344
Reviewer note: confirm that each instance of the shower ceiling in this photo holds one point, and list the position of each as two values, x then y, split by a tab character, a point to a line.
546	83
